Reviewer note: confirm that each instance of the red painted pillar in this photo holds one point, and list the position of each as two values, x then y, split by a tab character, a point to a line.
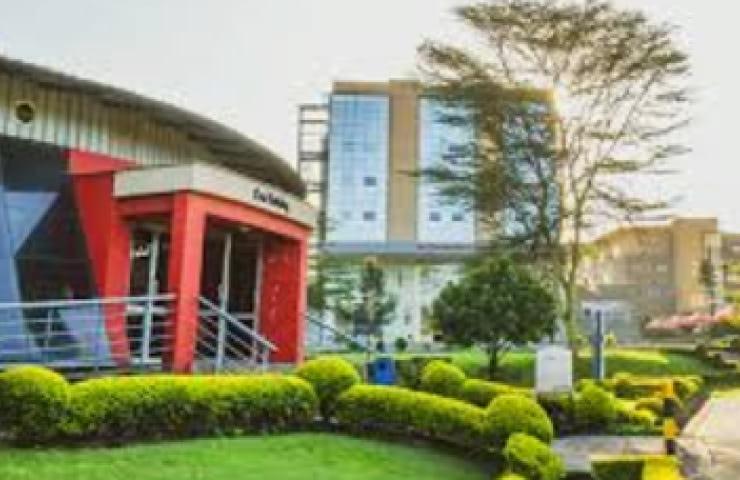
186	256
283	297
108	242
302	307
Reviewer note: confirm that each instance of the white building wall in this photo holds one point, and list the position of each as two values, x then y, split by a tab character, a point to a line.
415	287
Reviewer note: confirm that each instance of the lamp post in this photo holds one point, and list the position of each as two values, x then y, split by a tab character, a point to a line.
597	340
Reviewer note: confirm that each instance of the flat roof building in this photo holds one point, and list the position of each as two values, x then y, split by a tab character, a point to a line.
135	233
649	271
359	154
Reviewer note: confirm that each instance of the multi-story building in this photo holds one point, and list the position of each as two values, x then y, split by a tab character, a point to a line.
372	205
643	272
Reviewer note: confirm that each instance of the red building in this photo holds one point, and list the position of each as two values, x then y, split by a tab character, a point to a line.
134	233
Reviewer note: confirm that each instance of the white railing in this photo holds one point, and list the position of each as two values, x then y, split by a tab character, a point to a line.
336	336
91	333
225	342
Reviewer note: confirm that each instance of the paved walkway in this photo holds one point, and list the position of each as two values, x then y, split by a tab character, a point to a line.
710	444
576	451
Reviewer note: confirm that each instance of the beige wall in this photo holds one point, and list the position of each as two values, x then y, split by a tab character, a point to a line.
656	268
404	160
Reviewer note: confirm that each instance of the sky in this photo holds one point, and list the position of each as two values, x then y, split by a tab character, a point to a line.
250	63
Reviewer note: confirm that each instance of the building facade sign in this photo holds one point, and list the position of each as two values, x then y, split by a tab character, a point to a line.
216	181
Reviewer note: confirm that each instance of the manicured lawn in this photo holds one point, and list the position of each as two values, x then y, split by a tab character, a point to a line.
306	456
518	366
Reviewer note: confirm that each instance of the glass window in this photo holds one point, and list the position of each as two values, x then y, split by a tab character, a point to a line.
43	253
358	158
446	136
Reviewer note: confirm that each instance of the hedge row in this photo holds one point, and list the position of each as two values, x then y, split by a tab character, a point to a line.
627	386
399	411
37	406
129	408
482	392
590	409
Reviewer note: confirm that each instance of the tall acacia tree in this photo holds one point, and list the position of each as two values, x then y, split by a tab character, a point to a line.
618	83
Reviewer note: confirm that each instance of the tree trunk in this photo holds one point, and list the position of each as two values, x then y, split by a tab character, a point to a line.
493	353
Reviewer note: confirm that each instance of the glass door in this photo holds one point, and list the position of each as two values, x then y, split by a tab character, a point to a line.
145	318
230	279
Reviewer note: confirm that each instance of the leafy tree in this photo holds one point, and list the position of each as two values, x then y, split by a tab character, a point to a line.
354	292
332	284
573	103
375	307
497	304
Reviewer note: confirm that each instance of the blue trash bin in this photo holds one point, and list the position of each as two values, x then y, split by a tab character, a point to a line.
383	371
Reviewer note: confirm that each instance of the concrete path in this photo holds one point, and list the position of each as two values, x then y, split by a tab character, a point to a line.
710	444
576	451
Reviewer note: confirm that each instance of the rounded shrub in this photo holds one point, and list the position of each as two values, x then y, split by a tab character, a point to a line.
34	402
595	408
510	413
329	376
481	392
399	411
442	378
532	459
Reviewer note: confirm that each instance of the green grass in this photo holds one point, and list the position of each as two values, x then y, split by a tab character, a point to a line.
518	367
306	456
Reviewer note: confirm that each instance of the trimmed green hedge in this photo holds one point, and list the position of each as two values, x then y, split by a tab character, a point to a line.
120	409
482	392
396	410
38	406
627	386
595	408
510	413
629	413
532	459
34	402
329	376
442	378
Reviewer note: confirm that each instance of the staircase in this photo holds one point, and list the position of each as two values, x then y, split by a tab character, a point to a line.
225	344
119	336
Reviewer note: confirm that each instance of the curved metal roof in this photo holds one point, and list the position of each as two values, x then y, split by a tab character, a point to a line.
229	146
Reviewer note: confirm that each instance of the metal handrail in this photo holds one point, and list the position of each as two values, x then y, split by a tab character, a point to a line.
223	345
233	321
77	333
349	338
85	302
